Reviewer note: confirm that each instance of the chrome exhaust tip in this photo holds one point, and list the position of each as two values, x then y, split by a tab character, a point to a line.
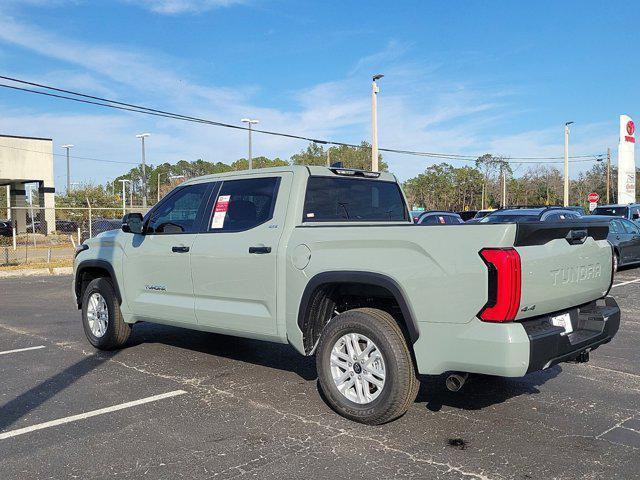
455	381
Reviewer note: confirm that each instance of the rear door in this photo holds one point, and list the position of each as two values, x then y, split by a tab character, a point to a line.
234	261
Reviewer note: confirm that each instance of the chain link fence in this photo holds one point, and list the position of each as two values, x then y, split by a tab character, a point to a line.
41	237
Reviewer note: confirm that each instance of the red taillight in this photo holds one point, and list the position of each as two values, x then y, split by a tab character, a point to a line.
504	284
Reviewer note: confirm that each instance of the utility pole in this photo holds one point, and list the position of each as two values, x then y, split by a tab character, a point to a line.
142	136
67	147
158	199
608	173
566	163
374	121
250	122
504	187
482	201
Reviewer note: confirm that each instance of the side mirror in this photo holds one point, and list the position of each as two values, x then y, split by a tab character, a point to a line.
132	223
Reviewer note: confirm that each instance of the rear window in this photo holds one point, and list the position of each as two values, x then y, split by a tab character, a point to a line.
331	199
613	211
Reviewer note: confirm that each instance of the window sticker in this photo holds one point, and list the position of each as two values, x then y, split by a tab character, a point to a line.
220	211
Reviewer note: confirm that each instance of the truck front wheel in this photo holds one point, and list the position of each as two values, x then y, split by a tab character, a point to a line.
101	317
365	367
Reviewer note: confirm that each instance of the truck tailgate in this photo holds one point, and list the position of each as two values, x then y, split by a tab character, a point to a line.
563	265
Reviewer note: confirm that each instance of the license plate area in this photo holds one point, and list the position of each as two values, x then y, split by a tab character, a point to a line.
563	321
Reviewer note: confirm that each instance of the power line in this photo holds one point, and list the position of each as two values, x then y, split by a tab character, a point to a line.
70	156
105	102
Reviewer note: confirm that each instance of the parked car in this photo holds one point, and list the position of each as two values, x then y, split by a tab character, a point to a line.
624	235
439	218
66	226
329	261
540	214
467	214
100	225
6	228
480	214
630	211
415	215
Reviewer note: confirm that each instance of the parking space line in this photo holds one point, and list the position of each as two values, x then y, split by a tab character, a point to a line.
92	413
7	352
626	283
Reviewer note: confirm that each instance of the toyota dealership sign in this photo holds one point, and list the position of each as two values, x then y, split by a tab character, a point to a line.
627	161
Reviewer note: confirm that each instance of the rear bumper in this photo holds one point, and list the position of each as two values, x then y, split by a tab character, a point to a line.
593	325
514	349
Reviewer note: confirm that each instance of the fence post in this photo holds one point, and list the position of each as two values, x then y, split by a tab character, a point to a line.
49	258
90	219
15	246
79	236
6	255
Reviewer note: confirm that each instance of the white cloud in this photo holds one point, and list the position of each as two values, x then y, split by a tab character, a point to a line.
176	7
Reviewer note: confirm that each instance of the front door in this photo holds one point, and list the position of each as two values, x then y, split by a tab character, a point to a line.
234	262
157	266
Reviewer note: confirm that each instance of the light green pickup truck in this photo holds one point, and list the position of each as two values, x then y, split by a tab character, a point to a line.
328	260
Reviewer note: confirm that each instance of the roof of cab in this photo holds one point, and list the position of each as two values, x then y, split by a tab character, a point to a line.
311	169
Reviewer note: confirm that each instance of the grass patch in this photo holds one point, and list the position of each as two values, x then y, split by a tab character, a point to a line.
55	263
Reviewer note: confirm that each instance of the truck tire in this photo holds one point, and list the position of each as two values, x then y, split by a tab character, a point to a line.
101	317
365	368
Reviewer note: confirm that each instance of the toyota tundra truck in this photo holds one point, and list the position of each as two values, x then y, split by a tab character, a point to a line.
329	261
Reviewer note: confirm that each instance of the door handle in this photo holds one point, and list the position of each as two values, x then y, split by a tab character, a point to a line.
259	249
179	249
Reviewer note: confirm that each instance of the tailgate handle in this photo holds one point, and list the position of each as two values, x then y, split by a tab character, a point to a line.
575	237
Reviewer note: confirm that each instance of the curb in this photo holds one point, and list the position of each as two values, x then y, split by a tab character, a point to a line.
34	272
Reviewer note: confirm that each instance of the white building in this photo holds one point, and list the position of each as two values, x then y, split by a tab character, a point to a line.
26	160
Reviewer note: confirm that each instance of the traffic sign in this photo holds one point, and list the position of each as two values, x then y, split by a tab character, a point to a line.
593	197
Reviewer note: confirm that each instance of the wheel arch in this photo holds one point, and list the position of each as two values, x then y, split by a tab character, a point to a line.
88	270
313	313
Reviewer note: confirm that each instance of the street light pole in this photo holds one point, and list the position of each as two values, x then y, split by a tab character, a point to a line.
124	196
374	121
142	136
566	163
608	172
159	173
67	147
250	122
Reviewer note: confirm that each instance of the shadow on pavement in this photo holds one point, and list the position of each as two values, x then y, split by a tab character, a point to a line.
20	406
255	352
481	391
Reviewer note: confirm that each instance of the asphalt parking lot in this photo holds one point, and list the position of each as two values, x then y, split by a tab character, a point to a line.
184	404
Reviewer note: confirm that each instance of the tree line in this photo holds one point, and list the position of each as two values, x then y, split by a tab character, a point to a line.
440	186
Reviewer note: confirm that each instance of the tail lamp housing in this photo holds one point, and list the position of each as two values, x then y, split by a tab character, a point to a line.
505	281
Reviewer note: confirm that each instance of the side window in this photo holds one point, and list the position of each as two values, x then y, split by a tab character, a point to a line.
614	226
630	227
451	220
429	220
178	213
244	204
554	217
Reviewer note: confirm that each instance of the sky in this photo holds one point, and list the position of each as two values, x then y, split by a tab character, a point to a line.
461	77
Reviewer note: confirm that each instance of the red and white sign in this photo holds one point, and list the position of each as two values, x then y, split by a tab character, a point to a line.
220	211
631	128
627	161
593	197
